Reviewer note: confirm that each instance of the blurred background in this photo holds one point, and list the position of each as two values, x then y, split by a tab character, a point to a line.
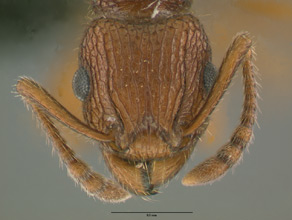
40	39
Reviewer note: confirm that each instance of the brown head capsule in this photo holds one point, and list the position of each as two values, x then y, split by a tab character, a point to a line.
148	87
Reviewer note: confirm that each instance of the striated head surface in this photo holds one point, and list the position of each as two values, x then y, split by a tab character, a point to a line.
145	60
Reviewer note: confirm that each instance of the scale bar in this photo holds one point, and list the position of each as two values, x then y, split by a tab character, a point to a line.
152	212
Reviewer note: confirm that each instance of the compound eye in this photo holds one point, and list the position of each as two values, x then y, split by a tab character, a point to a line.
81	83
210	75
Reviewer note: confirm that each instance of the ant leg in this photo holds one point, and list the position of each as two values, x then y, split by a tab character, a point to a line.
33	93
93	183
228	155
